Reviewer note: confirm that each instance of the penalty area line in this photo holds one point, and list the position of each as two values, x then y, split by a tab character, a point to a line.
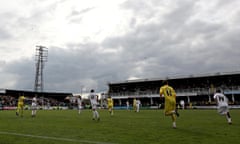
52	138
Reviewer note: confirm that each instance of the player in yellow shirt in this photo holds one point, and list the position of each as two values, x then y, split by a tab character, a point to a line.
20	105
170	101
110	105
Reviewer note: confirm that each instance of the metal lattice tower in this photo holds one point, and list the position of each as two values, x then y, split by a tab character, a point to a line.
41	57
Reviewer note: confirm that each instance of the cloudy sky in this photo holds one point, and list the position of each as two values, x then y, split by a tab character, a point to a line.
93	42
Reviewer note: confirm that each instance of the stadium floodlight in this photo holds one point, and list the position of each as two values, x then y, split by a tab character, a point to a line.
41	57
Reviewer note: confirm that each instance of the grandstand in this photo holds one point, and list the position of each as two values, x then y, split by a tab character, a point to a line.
195	90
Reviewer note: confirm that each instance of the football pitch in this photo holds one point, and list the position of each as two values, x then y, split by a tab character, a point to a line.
124	127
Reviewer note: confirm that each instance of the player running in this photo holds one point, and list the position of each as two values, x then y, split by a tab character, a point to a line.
110	105
20	106
93	99
170	101
222	102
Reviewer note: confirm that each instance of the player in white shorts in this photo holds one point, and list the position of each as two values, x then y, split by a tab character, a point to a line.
34	106
222	103
127	103
138	102
79	102
94	101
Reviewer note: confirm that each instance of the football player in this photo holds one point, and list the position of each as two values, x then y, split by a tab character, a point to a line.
94	101
222	104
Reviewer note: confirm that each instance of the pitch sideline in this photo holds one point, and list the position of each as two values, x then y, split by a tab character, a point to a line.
53	138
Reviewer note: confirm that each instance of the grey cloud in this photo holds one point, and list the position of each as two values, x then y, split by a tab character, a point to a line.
222	4
174	45
170	44
77	13
76	16
23	72
145	9
4	34
77	66
179	16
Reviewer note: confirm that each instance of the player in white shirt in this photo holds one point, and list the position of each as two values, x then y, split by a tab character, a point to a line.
222	102
138	102
79	102
34	106
127	103
94	101
182	103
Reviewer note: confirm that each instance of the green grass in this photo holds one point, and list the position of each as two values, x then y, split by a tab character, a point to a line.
125	127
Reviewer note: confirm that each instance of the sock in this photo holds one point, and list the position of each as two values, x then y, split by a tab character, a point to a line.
228	115
93	114
174	124
96	114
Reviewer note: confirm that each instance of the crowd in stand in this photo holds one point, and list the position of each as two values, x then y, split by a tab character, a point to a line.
10	101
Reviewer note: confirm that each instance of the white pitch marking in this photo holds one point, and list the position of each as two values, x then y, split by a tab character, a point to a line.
53	138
